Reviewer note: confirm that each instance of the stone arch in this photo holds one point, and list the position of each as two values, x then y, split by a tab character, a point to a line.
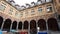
26	24
59	17
20	25
32	24
42	24
14	25
7	24
33	28
1	21
52	24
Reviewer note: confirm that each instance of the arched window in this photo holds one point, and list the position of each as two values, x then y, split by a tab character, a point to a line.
1	21
42	24
20	25
32	24
7	24
14	25
59	17
33	28
26	25
52	24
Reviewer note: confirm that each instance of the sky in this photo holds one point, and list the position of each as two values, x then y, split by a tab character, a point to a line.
23	2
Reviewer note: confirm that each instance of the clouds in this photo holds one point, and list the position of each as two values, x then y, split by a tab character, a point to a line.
23	2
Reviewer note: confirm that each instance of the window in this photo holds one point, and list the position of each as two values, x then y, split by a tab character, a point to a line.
21	14
49	9
10	11
52	24
20	25
42	25
2	7
16	14
48	0
32	11
4	3
40	9
26	13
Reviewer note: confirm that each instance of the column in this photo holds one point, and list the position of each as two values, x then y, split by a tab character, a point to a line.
22	25
37	26
11	26
17	25
47	26
2	24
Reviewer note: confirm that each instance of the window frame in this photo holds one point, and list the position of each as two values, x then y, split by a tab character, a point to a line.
2	9
32	11
40	9
49	9
11	11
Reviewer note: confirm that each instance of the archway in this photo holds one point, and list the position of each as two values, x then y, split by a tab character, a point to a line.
26	25
42	24
14	25
20	25
52	24
33	28
1	21
59	17
7	24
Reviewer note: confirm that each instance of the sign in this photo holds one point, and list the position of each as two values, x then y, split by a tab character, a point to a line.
42	32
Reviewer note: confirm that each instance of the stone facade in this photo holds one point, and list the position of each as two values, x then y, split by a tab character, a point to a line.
26	14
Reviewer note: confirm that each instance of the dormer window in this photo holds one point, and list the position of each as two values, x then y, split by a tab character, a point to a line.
32	4
48	0
43	1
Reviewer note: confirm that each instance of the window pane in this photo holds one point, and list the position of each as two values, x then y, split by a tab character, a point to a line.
10	11
17	14
40	9
20	25
26	13
48	0
49	9
21	15
32	11
2	7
